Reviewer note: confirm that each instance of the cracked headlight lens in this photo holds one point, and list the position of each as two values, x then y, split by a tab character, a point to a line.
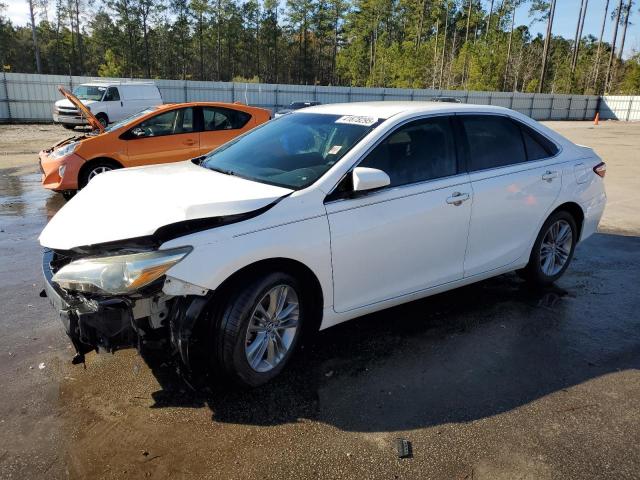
118	274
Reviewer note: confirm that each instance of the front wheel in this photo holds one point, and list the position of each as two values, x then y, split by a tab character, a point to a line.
103	119
553	250
257	330
95	168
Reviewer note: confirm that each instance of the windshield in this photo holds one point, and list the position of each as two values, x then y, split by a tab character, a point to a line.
131	118
88	92
292	151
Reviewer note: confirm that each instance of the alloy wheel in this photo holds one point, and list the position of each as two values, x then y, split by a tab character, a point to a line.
556	248
98	171
272	328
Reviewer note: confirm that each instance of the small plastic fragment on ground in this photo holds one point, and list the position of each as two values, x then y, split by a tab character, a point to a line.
329	373
403	446
41	366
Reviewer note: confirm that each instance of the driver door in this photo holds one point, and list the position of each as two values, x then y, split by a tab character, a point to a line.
169	136
411	235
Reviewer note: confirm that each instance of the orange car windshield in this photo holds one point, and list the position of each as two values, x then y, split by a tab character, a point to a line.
292	151
125	121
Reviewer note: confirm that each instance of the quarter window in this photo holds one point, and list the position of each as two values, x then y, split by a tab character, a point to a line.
493	142
168	123
537	146
223	119
416	152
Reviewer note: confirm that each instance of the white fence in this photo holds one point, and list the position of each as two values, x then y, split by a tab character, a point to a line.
29	97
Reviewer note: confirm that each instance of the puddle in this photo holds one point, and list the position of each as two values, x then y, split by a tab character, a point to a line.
22	196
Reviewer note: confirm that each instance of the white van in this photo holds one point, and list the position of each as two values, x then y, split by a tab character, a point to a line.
108	101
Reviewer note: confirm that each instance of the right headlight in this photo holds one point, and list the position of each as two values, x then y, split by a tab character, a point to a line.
118	274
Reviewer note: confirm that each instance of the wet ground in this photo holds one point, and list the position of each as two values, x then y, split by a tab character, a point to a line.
492	381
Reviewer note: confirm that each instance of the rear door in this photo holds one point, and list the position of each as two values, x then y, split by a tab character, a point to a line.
408	236
169	136
515	177
219	125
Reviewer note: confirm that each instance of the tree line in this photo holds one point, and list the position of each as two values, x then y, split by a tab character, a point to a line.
445	44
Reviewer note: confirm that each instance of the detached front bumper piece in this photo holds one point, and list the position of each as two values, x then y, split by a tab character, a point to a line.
91	324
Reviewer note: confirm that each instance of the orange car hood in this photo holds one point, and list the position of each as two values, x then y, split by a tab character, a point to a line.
135	202
93	121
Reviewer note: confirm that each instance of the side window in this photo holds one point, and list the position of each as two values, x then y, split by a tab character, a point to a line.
419	151
493	142
168	123
538	147
223	119
112	95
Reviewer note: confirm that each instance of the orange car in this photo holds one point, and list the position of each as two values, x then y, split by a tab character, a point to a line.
167	133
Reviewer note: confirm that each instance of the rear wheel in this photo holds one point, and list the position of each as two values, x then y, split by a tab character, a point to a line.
68	127
553	250
257	330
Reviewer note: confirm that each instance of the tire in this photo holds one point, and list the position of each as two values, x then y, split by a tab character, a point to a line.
544	269
92	169
237	349
69	127
103	119
68	194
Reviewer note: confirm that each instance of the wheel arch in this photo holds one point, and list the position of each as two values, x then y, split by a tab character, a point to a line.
293	267
575	210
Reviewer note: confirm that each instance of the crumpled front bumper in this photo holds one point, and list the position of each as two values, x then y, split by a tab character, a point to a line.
91	324
114	323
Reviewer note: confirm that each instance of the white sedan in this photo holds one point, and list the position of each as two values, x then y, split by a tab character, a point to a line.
310	220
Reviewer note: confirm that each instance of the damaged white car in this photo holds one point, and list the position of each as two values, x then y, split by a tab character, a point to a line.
315	218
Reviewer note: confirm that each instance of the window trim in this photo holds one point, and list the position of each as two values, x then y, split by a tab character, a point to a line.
517	123
460	161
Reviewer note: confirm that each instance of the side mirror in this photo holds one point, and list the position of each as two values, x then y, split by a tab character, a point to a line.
369	178
138	132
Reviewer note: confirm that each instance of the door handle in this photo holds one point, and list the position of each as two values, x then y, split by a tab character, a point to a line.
549	175
189	142
457	198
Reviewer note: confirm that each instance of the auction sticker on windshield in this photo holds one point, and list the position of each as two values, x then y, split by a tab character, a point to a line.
357	120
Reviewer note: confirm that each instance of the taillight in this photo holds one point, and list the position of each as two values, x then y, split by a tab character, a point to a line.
600	169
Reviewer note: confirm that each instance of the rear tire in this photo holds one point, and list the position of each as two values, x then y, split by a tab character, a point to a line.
69	127
553	250
256	331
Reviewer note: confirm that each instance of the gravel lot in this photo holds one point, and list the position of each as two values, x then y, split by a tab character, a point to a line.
490	381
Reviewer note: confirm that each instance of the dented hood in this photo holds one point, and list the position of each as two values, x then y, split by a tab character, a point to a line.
135	202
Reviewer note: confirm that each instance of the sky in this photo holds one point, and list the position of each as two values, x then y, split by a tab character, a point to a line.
564	23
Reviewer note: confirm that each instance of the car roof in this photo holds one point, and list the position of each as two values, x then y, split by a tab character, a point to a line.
119	84
389	109
239	106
